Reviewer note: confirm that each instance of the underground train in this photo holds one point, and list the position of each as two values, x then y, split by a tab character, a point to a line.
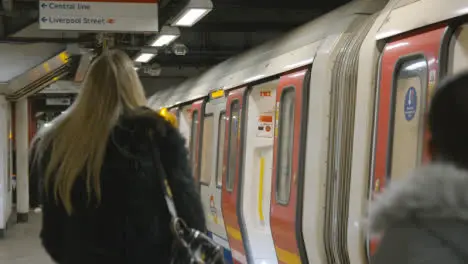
290	140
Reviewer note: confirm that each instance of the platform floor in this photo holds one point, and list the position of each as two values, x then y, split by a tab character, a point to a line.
22	245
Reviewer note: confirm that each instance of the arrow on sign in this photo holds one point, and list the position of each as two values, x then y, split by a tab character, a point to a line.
44	5
111	21
44	19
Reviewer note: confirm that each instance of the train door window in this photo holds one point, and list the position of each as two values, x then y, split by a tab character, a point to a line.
409	93
185	124
458	51
285	151
232	150
220	158
193	140
207	150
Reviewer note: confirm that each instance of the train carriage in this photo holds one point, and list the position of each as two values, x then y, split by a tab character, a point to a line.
289	141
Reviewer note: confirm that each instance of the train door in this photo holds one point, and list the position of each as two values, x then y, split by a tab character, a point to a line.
231	169
286	197
408	74
213	134
185	123
257	171
196	113
458	51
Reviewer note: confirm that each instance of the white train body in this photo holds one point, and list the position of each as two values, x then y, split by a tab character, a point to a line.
290	140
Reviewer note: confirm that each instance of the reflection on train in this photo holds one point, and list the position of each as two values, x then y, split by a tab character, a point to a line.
290	140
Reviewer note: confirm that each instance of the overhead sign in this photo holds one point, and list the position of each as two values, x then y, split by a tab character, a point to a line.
99	15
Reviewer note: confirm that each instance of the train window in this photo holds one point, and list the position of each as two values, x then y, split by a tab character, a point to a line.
285	151
409	93
232	151
458	51
207	150
193	141
219	161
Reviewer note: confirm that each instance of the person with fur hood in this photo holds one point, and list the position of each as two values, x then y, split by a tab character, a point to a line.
424	217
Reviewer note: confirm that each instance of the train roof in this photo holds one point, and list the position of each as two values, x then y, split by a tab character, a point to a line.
293	50
402	18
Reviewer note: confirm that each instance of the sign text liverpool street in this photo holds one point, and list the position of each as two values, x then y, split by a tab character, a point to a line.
108	16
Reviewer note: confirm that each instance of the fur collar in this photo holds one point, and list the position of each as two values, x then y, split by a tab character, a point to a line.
435	191
136	133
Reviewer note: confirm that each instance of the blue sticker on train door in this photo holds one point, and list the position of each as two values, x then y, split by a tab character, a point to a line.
411	101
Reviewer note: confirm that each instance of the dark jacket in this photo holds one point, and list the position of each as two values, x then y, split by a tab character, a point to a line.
423	218
131	224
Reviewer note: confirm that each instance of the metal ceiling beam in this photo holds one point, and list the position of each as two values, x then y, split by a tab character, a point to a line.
22	40
25	4
244	27
289	5
189	60
38	40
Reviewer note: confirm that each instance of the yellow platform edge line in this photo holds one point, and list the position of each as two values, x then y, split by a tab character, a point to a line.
287	257
234	233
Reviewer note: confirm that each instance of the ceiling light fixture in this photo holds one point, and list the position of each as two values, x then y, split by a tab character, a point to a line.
192	13
144	57
163	40
166	36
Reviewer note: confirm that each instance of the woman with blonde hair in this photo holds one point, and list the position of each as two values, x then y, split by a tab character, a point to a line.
101	203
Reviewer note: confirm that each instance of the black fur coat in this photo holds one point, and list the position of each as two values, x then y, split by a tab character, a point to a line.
131	224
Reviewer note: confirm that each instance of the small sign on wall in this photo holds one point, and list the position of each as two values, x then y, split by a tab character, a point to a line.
58	101
265	125
411	101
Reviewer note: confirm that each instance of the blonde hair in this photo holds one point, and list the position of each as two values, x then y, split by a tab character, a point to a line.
78	139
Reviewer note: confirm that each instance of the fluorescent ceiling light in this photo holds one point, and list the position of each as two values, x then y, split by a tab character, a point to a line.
191	16
145	57
163	40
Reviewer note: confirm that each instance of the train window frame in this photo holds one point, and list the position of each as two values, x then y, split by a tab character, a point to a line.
229	182
193	139
202	148
278	161
220	149
448	58
399	65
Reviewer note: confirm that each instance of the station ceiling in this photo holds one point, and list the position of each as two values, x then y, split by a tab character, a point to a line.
232	27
